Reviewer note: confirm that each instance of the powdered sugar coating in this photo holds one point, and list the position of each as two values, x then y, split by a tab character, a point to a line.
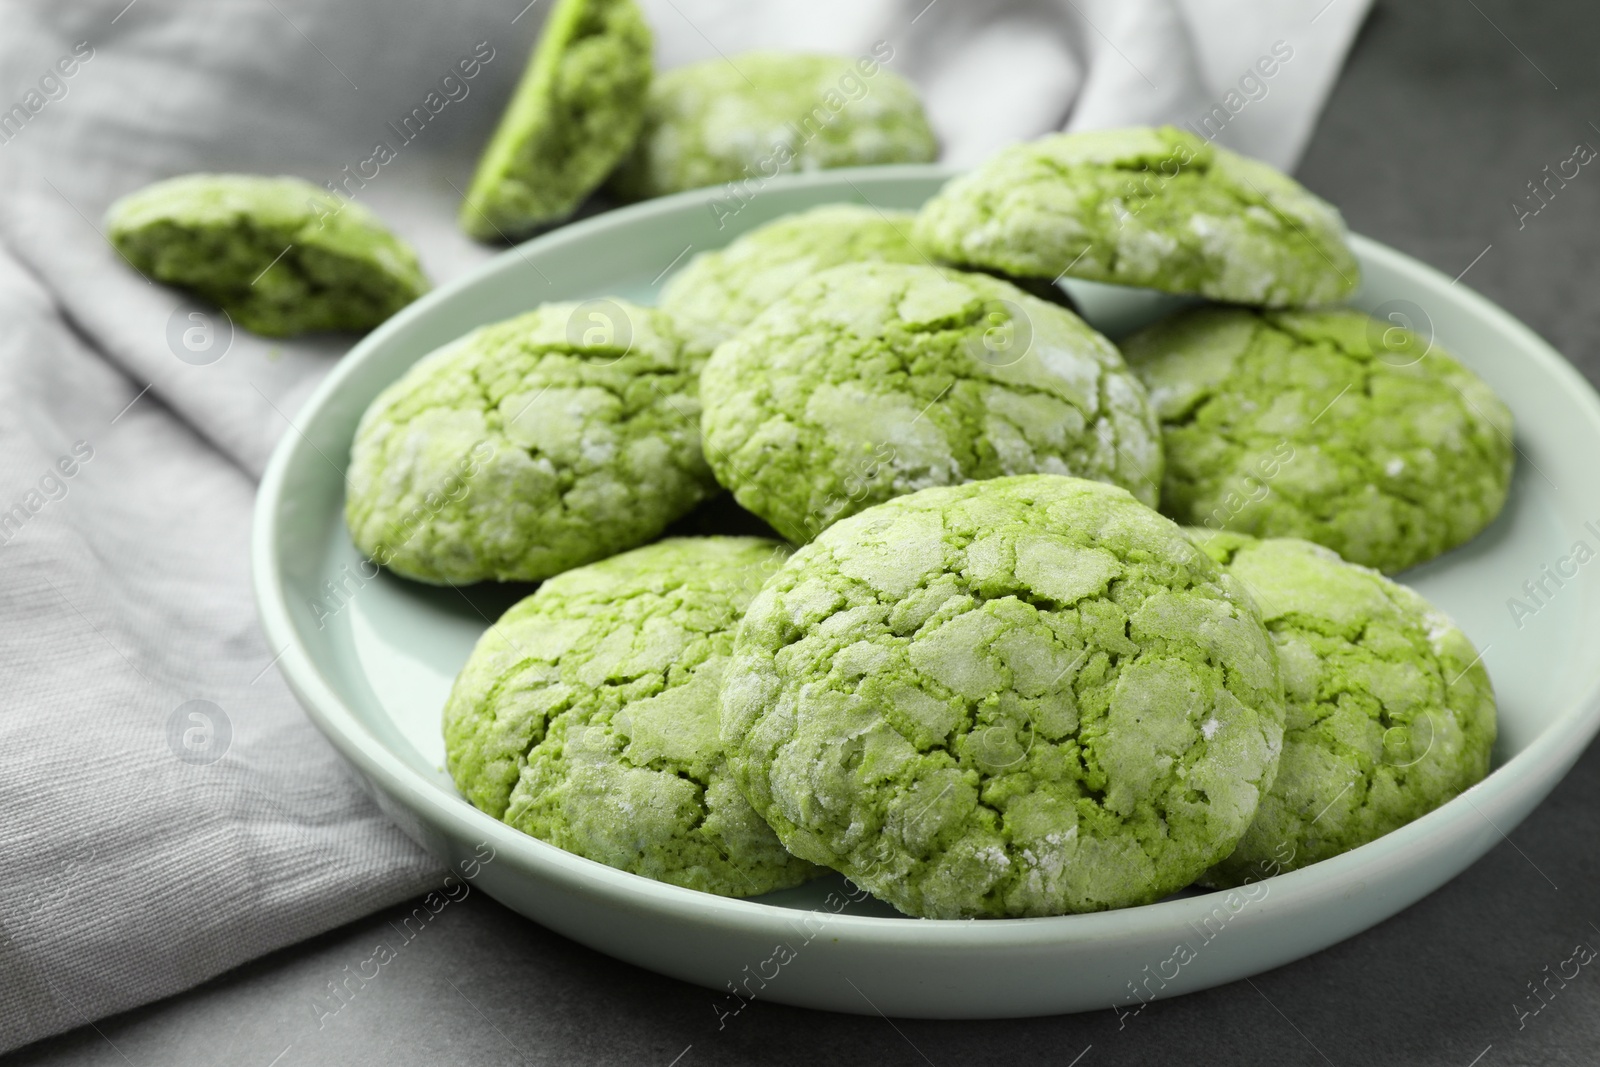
993	700
872	380
1159	208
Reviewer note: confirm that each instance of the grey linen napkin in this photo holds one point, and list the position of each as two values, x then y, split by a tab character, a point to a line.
166	811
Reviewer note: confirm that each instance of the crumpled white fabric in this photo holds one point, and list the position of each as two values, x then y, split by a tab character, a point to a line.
149	841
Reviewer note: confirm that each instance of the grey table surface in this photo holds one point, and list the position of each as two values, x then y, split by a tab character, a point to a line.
1447	110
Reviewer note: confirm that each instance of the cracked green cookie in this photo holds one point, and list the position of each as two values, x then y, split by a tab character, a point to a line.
1390	711
279	255
748	118
575	114
721	291
1024	696
588	717
530	446
872	380
1324	425
1157	208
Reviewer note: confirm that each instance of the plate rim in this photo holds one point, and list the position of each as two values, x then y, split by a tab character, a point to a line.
1537	768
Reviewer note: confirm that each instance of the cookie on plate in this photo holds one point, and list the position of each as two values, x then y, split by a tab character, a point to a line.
1325	425
872	380
748	118
588	717
1157	208
721	291
1390	711
530	446
279	255
575	114
1024	696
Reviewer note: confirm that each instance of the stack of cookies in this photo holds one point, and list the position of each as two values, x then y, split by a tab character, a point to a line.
1043	624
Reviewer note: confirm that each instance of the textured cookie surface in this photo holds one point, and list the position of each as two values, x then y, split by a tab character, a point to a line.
1158	208
575	114
872	380
530	446
1390	710
279	255
1025	696
754	116
721	291
1324	425
588	717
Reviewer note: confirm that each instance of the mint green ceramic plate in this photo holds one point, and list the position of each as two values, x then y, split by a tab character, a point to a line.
372	667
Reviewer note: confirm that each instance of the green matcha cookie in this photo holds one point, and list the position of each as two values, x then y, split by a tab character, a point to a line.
1390	712
1025	696
719	292
872	380
588	717
530	446
1159	208
575	114
760	114
1326	425
279	255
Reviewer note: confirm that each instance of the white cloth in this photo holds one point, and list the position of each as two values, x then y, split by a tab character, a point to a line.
133	867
